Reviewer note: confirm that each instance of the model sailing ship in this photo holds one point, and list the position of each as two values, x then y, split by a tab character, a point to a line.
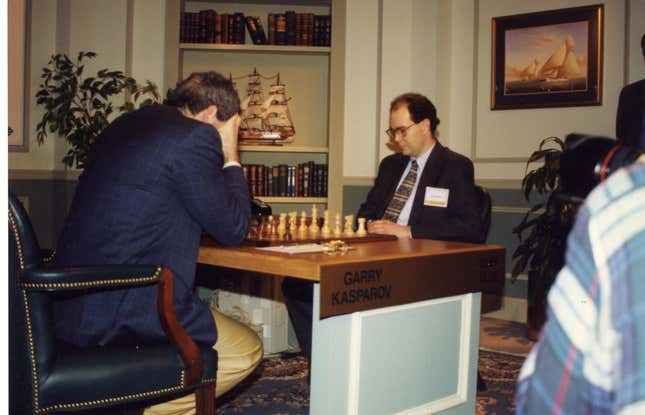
265	121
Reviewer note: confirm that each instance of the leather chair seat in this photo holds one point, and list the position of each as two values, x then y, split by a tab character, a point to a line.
123	373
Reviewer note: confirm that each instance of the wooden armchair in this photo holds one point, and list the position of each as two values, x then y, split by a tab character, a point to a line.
47	375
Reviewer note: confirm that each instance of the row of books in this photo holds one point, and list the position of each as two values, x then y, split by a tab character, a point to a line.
289	28
207	26
301	180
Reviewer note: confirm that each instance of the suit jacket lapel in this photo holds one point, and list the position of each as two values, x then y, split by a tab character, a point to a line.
429	177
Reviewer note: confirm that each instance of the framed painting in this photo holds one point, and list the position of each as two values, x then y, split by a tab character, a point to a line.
547	59
16	46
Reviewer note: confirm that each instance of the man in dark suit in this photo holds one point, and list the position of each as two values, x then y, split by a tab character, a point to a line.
630	117
441	202
154	180
424	190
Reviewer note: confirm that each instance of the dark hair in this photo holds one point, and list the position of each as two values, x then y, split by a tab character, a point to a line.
419	108
203	89
643	44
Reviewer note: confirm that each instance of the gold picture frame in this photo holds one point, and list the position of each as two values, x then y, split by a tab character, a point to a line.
547	59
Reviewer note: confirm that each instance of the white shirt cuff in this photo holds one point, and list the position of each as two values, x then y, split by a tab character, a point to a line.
231	163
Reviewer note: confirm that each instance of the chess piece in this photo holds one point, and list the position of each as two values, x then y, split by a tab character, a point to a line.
303	223
313	228
272	234
337	232
361	228
282	226
349	226
293	218
326	230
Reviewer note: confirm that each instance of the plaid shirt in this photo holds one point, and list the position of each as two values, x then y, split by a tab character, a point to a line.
591	355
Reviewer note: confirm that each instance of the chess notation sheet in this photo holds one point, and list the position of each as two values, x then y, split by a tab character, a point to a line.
295	249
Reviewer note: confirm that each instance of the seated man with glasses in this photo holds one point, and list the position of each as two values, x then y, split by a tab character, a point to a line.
422	191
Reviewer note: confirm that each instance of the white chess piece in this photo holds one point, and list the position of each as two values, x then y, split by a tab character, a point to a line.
303	222
293	218
337	232
349	226
361	227
282	225
326	230
313	228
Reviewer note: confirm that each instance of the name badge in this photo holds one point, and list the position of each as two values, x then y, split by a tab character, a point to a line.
436	196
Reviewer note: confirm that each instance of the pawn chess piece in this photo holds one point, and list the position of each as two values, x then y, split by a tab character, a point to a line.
326	230
361	228
349	226
337	232
313	228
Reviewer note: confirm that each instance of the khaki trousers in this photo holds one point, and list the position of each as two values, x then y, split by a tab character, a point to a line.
239	352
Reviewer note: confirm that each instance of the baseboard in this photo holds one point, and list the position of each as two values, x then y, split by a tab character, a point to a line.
513	309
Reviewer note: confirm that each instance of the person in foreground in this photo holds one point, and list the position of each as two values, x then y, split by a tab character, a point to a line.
590	358
154	179
423	191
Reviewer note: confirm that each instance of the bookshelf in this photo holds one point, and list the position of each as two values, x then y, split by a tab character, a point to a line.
314	78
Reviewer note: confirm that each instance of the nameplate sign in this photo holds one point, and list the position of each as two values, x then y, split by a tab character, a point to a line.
347	288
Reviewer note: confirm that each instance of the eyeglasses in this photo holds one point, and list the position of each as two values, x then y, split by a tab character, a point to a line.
391	132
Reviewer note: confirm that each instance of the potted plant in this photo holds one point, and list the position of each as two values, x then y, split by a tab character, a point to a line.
543	231
79	108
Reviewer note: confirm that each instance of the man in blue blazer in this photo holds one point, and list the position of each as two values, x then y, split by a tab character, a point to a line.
424	191
154	180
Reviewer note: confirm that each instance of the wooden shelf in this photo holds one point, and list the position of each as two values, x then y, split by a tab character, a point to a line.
302	50
292	200
283	149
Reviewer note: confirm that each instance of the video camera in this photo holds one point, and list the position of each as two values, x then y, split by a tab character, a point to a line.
587	160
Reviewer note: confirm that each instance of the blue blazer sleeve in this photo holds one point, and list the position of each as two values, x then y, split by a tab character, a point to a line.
216	198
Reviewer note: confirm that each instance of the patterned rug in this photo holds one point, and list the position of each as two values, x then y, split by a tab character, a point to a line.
279	387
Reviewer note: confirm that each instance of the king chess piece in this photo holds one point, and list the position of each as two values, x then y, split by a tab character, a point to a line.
313	228
361	228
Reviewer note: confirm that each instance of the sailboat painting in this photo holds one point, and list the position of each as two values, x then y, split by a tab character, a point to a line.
547	59
266	119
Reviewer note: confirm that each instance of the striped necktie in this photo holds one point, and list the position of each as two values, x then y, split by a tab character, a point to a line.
402	194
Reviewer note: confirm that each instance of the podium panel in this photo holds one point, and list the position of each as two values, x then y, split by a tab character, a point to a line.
416	358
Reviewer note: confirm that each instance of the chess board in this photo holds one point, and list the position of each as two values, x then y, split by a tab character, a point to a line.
293	240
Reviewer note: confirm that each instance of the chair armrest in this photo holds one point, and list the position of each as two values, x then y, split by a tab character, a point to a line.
75	278
178	337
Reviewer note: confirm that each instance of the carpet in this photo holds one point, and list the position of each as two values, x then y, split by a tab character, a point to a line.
279	387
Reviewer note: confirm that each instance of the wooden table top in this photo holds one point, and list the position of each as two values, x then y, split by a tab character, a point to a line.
310	265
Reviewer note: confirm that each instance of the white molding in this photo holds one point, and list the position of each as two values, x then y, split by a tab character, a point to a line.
514	209
353	383
500	183
24	174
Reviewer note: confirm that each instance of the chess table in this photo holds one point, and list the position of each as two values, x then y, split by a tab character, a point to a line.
396	322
